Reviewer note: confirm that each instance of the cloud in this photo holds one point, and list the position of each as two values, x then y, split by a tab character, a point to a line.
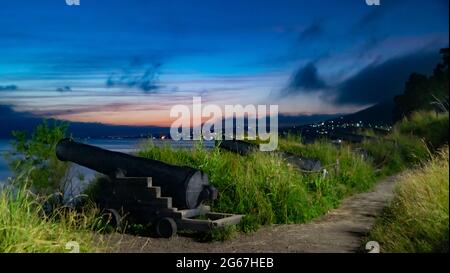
137	75
313	31
376	14
64	89
11	87
379	82
370	18
305	80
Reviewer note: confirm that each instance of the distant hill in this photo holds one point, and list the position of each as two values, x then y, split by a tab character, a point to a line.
11	120
299	120
381	113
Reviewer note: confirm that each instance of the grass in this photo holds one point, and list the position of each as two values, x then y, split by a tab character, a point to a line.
266	188
430	126
25	228
411	141
396	152
418	218
349	167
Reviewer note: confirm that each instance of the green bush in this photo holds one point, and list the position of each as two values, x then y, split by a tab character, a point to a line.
430	126
36	156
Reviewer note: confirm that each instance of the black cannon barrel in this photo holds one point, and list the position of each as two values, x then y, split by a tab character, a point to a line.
188	187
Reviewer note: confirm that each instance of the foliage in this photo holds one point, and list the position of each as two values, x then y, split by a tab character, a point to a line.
36	156
430	126
421	91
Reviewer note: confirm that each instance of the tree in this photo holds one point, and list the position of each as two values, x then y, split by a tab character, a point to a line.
421	91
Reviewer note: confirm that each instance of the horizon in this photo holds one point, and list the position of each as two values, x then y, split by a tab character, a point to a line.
120	63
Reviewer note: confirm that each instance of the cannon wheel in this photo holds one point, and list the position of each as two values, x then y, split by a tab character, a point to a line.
166	227
113	217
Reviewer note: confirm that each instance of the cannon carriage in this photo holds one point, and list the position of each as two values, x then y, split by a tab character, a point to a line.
145	191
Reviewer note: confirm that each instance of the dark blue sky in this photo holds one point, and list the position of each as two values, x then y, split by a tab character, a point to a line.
127	62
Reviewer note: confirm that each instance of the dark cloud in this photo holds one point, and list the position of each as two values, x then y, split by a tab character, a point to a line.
313	31
137	75
383	81
11	87
64	89
370	18
305	80
377	82
370	44
376	14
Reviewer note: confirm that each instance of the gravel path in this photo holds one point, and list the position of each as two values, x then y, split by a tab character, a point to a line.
341	230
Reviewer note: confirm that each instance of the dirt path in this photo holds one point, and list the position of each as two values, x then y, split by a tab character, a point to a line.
341	230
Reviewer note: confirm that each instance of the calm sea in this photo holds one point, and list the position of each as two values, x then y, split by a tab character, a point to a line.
119	145
4	171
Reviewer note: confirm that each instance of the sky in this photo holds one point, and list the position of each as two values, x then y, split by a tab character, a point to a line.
129	62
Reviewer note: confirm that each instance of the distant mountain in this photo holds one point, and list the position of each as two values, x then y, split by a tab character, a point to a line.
381	113
299	120
11	120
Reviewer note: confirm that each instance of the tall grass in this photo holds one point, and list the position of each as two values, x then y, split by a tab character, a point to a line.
396	152
350	168
266	188
418	218
430	126
411	141
24	227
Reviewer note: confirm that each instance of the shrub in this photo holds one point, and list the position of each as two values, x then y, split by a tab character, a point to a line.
36	156
430	126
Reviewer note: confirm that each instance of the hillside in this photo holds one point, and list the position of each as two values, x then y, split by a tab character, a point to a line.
381	113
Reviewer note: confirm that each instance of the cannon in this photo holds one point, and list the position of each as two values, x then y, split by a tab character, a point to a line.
237	146
188	187
245	148
148	191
